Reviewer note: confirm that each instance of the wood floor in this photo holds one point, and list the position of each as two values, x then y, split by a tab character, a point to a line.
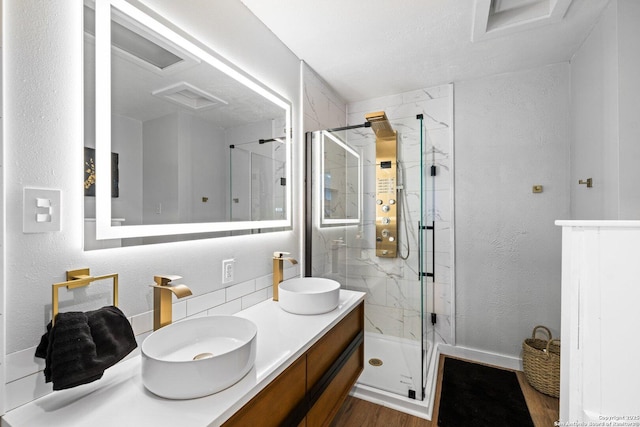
354	412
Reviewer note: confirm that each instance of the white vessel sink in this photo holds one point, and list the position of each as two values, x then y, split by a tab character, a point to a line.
308	295
198	357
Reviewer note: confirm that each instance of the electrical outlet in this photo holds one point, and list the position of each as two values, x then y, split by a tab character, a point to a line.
227	270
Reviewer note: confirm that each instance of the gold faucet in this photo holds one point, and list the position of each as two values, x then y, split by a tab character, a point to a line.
162	308
278	266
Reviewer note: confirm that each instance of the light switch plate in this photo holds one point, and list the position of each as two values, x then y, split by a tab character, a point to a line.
41	210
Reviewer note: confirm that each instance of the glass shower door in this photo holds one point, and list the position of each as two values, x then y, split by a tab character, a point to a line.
257	184
398	333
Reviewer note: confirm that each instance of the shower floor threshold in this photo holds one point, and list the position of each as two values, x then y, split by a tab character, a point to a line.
417	408
374	392
392	364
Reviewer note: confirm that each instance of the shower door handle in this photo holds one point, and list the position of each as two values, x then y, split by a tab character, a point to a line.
431	227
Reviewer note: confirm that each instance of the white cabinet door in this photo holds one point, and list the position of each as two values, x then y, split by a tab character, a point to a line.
618	348
600	361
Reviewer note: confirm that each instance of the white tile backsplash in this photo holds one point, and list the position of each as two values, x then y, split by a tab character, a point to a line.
142	323
291	272
264	282
200	314
25	379
254	298
204	302
22	363
241	289
230	307
179	310
25	390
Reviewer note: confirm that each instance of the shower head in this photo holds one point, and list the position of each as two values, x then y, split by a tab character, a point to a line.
380	124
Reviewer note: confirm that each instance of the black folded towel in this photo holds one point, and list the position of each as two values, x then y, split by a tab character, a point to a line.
80	346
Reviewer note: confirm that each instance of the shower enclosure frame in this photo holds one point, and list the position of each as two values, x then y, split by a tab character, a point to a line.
310	223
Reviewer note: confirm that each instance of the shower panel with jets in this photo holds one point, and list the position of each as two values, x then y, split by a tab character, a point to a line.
367	228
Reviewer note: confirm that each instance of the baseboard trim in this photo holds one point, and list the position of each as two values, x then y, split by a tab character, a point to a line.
481	356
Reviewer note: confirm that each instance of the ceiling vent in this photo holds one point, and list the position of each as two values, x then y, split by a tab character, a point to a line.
189	96
134	42
496	18
141	47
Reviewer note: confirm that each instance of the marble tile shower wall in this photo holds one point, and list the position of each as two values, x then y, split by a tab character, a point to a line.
347	254
25	380
324	109
392	285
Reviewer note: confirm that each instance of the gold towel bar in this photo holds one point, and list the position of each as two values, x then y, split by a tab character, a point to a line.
77	279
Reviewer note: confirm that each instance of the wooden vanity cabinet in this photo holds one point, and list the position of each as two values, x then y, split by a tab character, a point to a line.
274	403
330	401
310	392
321	356
324	355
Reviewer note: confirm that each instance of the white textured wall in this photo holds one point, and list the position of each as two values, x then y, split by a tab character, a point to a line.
594	121
512	131
43	147
605	127
629	107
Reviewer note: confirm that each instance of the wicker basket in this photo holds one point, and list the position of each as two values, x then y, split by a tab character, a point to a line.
541	361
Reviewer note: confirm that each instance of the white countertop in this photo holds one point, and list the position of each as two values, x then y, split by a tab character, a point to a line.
120	399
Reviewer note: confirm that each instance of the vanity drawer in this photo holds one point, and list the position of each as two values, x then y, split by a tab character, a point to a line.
325	352
273	404
329	402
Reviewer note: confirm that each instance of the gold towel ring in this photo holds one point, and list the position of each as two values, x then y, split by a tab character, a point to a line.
77	279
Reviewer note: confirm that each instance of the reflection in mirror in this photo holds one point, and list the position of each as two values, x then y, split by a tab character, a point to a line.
258	181
340	181
201	147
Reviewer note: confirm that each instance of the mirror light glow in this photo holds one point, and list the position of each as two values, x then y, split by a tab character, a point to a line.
104	229
324	219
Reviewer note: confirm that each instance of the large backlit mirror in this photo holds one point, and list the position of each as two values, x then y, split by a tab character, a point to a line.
177	142
340	180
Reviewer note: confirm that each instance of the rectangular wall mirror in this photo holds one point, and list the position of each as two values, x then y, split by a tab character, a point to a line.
200	146
340	180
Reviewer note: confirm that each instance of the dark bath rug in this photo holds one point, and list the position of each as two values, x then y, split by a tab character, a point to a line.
481	396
